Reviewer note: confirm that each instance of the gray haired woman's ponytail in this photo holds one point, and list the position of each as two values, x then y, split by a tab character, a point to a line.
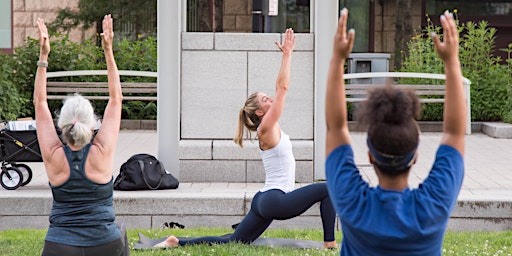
77	121
76	134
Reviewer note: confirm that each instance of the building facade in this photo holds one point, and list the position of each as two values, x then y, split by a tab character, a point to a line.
214	53
18	20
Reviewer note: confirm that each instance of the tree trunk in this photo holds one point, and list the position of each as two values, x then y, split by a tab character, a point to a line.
403	31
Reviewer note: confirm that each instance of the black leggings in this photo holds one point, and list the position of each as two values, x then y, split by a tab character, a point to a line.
276	205
114	248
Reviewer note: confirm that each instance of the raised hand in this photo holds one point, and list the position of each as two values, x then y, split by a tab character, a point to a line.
44	41
449	48
288	43
343	41
107	37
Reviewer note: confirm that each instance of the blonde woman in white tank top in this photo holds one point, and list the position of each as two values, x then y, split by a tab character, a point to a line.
260	114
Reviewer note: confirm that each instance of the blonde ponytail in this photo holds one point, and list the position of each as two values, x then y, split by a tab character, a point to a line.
238	139
247	119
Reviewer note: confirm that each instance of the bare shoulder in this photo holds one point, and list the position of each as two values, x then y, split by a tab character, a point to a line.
57	167
99	153
99	165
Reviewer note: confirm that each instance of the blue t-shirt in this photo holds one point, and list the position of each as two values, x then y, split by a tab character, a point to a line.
376	221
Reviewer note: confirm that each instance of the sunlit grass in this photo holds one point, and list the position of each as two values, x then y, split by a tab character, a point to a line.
30	242
478	243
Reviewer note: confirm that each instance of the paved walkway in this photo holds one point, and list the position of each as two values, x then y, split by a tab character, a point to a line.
485	202
488	165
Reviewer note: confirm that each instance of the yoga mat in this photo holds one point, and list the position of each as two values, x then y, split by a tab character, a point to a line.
149	243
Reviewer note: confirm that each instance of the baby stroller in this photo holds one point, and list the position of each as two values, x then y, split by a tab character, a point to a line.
18	143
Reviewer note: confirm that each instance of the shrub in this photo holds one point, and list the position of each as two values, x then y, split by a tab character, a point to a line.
12	102
508	114
422	58
18	72
137	55
490	80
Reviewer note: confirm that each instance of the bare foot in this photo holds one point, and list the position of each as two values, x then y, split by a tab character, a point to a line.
330	245
171	241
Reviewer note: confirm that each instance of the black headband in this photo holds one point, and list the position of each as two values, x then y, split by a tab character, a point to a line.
388	162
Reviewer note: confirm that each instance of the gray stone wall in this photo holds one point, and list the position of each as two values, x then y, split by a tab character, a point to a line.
218	72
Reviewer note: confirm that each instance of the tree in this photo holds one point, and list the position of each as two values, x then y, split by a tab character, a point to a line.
132	18
403	30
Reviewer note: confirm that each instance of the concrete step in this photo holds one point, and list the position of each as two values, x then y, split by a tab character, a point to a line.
497	130
485	201
220	205
425	126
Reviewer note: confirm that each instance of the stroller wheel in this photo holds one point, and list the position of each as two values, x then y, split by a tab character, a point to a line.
11	178
25	171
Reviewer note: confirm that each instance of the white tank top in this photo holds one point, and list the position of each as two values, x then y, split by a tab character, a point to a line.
279	164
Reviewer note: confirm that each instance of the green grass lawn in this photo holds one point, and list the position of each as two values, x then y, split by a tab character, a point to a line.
30	242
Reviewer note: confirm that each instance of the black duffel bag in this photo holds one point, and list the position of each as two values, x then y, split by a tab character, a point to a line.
144	172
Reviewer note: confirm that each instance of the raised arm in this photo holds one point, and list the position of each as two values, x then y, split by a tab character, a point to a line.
282	82
335	98
47	136
106	138
454	120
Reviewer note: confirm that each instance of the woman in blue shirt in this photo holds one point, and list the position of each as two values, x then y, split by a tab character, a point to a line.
392	219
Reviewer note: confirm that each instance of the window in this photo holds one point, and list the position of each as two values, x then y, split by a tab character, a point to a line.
135	23
359	19
206	15
498	14
258	16
6	26
273	16
471	7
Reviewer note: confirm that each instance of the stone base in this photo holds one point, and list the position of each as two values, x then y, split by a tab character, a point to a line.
128	124
498	130
425	126
217	205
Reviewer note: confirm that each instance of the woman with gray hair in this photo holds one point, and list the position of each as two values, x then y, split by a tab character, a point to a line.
80	169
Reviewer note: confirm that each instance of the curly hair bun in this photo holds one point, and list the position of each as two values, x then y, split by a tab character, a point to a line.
389	105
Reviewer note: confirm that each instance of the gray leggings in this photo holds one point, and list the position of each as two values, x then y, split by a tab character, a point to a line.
114	248
118	247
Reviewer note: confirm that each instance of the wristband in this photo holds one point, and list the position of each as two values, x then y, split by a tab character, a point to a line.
42	64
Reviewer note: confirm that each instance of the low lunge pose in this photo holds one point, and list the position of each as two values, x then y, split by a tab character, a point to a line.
392	219
278	199
80	171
